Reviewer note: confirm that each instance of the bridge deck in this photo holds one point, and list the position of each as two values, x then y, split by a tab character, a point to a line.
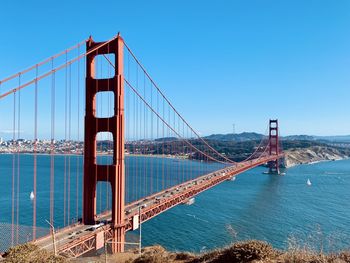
79	239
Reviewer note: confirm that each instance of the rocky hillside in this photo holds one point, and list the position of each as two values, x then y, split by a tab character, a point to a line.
295	156
247	251
239	252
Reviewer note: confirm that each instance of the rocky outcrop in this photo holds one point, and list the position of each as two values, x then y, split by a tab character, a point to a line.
314	154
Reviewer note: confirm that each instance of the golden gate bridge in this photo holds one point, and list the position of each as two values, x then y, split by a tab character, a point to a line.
98	116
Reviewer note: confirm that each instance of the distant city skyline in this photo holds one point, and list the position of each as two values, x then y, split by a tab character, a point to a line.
241	62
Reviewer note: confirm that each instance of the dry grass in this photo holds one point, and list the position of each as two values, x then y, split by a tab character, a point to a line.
158	254
247	251
30	253
120	258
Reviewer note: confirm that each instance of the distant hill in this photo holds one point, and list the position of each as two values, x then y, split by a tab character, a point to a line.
338	138
300	138
166	139
247	136
239	137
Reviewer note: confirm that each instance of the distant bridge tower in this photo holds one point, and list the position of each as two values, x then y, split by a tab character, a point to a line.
274	146
93	172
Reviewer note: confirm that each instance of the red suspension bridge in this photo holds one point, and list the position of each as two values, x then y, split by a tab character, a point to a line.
95	148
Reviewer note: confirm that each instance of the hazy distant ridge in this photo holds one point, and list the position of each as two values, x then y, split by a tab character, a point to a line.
246	136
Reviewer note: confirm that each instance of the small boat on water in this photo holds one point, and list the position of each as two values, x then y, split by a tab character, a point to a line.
31	195
190	201
233	178
308	182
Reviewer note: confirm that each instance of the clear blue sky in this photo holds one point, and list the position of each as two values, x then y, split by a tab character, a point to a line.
220	62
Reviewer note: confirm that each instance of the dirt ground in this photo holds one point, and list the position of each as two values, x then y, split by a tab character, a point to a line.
120	258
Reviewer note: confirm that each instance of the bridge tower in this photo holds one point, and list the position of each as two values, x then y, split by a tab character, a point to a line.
273	146
93	172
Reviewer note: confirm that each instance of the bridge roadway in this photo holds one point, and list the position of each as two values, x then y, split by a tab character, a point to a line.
78	239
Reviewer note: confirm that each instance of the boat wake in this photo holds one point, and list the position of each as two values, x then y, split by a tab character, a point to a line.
195	217
334	173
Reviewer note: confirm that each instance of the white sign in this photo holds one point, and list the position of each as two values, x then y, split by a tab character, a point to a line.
135	222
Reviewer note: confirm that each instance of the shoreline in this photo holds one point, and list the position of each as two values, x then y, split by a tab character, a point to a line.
99	154
293	164
316	162
293	157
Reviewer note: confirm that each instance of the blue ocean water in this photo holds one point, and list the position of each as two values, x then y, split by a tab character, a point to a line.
144	176
282	210
278	209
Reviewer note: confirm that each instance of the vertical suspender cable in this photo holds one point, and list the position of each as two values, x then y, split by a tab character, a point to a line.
109	138
65	143
52	165
158	147
168	178
128	174
134	148
192	158
151	138
183	151
144	138
35	151
96	120
140	135
99	103
127	118
13	170
18	157
136	140
69	138
177	175
163	142
78	141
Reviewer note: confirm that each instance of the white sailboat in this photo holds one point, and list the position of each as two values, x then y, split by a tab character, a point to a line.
308	182
31	195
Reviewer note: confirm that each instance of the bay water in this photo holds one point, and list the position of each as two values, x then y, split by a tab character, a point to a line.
282	210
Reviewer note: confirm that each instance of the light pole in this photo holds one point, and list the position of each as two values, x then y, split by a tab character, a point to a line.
53	237
140	230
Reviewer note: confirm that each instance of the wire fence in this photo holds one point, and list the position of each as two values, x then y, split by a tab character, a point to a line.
24	234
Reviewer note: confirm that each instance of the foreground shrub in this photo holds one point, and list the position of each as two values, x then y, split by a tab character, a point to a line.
246	251
30	253
155	254
304	256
